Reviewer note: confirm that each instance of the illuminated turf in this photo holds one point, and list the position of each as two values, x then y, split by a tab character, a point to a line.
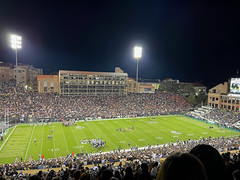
137	131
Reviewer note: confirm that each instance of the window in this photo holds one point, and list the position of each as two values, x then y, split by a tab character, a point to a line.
216	99
147	89
52	86
45	84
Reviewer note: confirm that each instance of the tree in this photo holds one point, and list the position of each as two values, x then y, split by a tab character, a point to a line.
201	98
169	87
191	98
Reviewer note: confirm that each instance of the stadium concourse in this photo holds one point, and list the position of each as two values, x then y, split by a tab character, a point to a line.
142	163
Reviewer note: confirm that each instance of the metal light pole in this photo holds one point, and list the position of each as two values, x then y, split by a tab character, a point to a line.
137	56
16	43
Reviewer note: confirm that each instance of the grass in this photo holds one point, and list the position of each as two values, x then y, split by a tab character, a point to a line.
19	142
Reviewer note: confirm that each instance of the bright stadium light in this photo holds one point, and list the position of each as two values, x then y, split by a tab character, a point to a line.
16	43
137	56
137	52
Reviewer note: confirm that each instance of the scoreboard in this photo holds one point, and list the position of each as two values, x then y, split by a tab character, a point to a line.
235	85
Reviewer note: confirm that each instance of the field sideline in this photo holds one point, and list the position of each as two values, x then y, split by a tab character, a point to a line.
19	142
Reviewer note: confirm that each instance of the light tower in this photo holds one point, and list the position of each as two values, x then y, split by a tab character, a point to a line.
137	56
16	43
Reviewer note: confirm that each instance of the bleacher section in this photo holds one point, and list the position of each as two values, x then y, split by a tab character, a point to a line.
220	117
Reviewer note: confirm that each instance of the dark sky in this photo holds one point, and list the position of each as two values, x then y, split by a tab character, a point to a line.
186	40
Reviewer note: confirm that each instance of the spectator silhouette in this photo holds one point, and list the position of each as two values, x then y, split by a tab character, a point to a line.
106	174
236	175
182	166
212	161
128	174
144	175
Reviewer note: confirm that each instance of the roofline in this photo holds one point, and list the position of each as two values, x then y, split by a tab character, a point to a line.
92	73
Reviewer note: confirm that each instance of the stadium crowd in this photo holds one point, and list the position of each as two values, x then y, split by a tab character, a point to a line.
9	88
223	117
90	107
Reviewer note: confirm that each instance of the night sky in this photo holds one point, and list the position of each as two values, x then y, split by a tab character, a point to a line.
186	40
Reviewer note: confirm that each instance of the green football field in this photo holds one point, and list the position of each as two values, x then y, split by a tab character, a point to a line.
19	142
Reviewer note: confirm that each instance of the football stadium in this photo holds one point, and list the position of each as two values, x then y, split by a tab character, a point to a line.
168	111
48	131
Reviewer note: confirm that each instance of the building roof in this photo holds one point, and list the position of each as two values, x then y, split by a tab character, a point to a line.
141	80
92	73
42	77
4	64
144	86
131	79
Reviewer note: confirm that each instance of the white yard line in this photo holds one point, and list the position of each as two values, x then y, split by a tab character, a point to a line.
103	134
74	136
7	138
86	138
29	143
123	134
53	145
111	133
42	139
146	137
64	138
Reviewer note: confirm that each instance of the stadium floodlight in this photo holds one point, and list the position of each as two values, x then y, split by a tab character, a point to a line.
16	43
137	52
137	56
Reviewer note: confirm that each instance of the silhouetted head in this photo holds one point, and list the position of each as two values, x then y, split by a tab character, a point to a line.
182	166
106	174
236	175
212	161
128	171
144	167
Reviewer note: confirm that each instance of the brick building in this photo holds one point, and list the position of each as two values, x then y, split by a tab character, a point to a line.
221	97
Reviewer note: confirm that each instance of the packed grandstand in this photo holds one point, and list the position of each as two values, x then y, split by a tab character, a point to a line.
54	107
135	163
